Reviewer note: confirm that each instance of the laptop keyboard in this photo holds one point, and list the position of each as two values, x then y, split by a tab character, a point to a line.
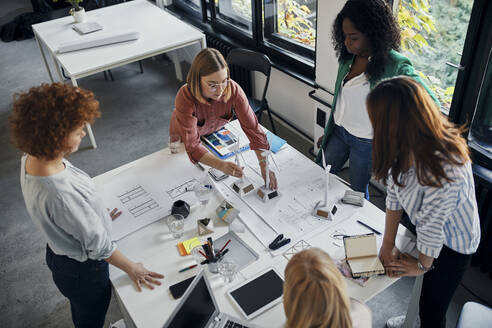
232	324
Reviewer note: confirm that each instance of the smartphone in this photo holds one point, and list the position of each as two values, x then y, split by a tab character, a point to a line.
177	290
218	175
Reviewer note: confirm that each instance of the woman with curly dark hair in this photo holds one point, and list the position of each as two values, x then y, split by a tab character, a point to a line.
366	39
47	123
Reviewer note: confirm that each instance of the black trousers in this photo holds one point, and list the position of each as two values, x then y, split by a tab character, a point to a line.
439	286
85	284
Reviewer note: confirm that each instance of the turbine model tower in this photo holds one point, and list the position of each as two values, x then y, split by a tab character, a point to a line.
324	210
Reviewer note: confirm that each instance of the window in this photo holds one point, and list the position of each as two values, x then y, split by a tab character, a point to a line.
433	35
192	7
291	24
480	136
236	13
285	30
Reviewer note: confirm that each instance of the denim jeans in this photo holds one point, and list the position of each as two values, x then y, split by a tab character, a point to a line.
342	146
85	284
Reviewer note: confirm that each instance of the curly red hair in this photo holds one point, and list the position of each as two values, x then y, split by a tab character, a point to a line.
43	117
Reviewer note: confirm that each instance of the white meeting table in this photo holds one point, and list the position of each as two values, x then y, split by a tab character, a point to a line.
159	32
154	246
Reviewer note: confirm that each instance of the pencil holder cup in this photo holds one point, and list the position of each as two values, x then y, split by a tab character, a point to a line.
213	265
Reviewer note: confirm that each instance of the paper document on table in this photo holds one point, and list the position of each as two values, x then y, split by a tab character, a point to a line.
145	193
291	213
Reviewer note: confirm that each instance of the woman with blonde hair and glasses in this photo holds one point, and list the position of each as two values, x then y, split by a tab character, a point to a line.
206	103
315	294
424	161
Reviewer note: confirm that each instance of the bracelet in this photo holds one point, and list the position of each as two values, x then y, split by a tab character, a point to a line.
421	267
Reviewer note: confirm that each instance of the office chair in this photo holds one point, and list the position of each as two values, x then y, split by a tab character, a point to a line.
475	315
254	61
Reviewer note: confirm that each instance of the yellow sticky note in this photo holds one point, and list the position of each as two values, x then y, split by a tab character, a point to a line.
190	244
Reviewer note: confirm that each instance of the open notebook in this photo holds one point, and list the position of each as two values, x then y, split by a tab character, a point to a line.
361	253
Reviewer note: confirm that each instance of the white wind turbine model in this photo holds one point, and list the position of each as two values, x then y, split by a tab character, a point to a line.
243	185
265	192
324	210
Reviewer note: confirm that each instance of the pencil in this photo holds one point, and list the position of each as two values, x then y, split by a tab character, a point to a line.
188	268
368	227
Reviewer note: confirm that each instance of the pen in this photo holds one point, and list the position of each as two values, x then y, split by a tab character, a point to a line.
203	254
316	206
200	166
368	227
224	247
188	268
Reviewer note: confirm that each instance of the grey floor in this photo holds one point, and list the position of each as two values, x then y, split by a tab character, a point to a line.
135	115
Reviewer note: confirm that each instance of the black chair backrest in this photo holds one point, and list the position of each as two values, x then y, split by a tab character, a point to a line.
251	61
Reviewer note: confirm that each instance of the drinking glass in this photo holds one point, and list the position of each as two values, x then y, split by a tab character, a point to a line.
176	225
174	143
227	270
203	190
195	253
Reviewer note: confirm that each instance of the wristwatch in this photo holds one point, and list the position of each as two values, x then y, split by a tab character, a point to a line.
423	268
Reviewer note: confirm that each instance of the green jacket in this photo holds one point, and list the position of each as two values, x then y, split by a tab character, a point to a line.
397	65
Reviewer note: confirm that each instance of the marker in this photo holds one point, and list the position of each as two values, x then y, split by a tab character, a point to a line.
200	166
368	227
188	268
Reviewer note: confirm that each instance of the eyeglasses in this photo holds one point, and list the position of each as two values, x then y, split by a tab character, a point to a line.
214	86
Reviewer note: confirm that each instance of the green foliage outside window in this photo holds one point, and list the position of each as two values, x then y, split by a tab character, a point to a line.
293	22
292	19
432	34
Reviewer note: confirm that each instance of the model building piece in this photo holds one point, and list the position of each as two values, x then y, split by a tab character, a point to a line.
243	185
325	210
227	212
265	192
203	226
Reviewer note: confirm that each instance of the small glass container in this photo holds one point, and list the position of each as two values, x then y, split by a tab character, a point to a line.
228	270
174	143
176	225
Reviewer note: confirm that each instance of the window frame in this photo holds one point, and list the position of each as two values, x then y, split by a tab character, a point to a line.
283	58
273	37
181	5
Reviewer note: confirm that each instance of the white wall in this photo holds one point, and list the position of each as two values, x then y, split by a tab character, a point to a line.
288	97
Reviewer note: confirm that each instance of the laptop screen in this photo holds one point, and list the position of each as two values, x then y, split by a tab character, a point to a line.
197	309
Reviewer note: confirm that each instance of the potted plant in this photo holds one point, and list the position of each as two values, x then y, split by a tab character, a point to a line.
77	11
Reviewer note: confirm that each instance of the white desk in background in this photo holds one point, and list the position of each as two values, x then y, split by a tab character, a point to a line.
159	31
154	246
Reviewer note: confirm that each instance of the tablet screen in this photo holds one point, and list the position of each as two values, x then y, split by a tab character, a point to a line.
259	292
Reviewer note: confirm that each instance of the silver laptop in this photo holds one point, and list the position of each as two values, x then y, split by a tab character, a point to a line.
198	308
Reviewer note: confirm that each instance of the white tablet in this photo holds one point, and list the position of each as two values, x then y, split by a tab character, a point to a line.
256	295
